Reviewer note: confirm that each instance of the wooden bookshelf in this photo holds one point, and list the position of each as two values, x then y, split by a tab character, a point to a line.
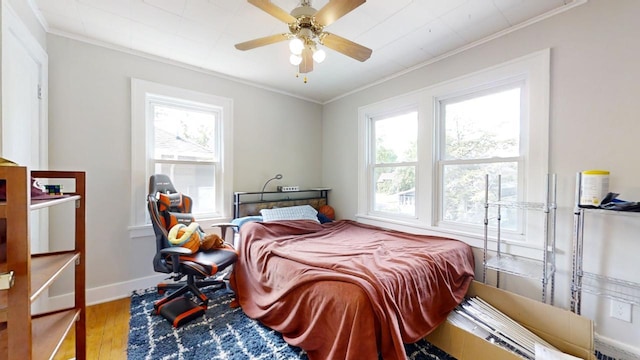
24	335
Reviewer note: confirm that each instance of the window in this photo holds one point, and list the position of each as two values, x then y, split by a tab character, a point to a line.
185	147
479	135
449	136
394	140
187	136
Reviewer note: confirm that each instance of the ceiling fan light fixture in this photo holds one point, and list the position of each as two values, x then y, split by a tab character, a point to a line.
296	45
319	56
295	59
306	32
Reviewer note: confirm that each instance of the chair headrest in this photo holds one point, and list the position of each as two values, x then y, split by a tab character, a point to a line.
173	202
161	183
167	198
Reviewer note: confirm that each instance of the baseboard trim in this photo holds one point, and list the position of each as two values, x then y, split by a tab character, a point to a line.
615	349
106	293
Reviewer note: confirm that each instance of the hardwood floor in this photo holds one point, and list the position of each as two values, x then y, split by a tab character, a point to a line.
107	332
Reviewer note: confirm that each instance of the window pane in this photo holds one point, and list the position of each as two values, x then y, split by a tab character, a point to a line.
197	181
483	127
184	134
396	138
395	190
463	195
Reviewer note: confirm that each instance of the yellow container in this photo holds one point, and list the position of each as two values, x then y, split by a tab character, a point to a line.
594	186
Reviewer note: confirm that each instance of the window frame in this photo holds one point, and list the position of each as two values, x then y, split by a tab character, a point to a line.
534	70
143	159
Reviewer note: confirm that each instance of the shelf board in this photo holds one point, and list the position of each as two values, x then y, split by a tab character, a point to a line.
45	268
41	204
609	212
521	205
611	288
50	330
518	266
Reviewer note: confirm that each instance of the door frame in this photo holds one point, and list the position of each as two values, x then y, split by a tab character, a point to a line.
13	26
14	30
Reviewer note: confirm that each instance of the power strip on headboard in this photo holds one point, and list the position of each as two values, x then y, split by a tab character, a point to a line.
288	188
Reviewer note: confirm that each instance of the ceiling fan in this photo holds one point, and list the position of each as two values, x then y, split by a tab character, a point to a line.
306	30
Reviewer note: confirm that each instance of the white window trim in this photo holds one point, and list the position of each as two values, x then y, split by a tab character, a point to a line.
534	69
141	150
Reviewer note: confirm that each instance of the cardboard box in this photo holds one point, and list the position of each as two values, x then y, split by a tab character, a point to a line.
568	332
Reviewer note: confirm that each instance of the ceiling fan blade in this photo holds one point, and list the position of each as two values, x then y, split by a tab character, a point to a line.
335	9
273	10
306	65
267	40
346	47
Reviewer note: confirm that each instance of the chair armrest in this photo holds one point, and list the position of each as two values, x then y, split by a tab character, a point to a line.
175	252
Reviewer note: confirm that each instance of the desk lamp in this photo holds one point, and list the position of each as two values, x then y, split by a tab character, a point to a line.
277	177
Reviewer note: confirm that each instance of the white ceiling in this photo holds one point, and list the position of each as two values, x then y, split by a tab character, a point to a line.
402	34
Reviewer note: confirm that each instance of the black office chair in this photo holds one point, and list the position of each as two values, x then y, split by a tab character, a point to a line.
168	208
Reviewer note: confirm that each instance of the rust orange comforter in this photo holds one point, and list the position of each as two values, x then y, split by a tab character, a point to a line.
345	290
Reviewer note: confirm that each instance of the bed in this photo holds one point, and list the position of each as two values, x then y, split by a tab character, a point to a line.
346	290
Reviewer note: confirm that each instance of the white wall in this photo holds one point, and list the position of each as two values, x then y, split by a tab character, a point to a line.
595	83
89	127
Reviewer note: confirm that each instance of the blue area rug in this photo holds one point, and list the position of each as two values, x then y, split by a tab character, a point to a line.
222	333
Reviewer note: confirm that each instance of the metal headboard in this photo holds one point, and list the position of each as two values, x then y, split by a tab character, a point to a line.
250	203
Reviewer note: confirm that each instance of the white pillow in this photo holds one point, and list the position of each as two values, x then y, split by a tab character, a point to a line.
302	212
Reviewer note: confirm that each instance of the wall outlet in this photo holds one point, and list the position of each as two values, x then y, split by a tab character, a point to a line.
621	310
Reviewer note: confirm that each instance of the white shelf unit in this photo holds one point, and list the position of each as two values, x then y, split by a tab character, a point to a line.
589	282
542	268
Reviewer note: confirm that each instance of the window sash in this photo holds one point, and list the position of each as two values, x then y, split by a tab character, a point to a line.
153	101
489	89
514	221
203	193
405	204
